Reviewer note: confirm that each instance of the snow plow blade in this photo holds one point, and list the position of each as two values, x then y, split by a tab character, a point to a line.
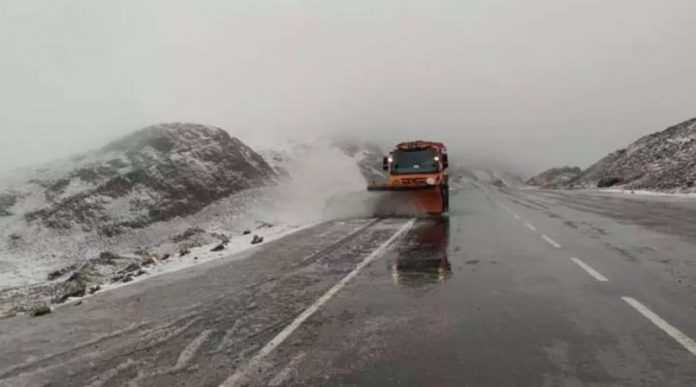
417	180
408	201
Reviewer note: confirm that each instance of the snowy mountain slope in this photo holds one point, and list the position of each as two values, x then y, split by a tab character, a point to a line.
152	175
72	209
664	161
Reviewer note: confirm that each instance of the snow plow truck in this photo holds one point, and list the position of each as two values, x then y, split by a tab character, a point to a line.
418	182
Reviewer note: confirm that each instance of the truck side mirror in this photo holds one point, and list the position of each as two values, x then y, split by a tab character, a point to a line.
385	163
445	161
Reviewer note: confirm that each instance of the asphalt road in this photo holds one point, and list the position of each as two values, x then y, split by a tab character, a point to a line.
515	288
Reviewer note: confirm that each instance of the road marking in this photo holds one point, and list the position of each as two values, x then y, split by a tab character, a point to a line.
594	273
551	241
191	349
501	205
238	378
282	377
529	226
675	333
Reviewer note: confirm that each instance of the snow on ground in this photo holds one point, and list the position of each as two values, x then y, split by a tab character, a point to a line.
319	183
201	254
626	192
642	192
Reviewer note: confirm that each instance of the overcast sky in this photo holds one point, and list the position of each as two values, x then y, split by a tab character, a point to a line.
537	83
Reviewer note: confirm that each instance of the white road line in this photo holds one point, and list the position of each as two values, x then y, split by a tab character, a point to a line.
501	205
190	351
594	273
529	226
551	241
238	378
675	333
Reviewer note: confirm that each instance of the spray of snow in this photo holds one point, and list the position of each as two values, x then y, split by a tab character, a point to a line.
321	183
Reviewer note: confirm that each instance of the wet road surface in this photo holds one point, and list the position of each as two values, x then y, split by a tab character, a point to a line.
515	288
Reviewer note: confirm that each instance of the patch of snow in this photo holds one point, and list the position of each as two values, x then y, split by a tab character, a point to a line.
233	251
641	192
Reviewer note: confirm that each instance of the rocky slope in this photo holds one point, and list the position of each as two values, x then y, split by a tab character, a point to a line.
664	161
152	175
555	177
127	196
661	162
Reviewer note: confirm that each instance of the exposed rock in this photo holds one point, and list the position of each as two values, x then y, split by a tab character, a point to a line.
608	181
148	261
61	272
188	234
224	239
72	288
219	247
40	310
7	200
93	289
555	177
256	240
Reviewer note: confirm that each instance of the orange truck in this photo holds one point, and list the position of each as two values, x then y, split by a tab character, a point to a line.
417	177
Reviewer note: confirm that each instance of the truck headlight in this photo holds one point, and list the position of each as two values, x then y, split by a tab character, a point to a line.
430	181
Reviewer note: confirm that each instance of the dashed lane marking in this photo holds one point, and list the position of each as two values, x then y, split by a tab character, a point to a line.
551	241
239	377
675	333
594	273
530	226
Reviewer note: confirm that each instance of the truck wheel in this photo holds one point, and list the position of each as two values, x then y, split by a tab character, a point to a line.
445	198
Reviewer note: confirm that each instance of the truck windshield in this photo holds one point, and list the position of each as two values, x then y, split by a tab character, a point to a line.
414	161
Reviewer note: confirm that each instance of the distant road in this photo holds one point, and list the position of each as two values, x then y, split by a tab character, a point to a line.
515	288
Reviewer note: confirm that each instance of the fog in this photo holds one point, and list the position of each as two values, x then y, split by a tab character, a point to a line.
529	83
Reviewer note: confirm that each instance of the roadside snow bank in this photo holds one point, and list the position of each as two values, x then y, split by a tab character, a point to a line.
691	195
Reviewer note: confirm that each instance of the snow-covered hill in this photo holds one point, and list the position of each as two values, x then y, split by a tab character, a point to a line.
660	162
162	198
152	175
663	161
